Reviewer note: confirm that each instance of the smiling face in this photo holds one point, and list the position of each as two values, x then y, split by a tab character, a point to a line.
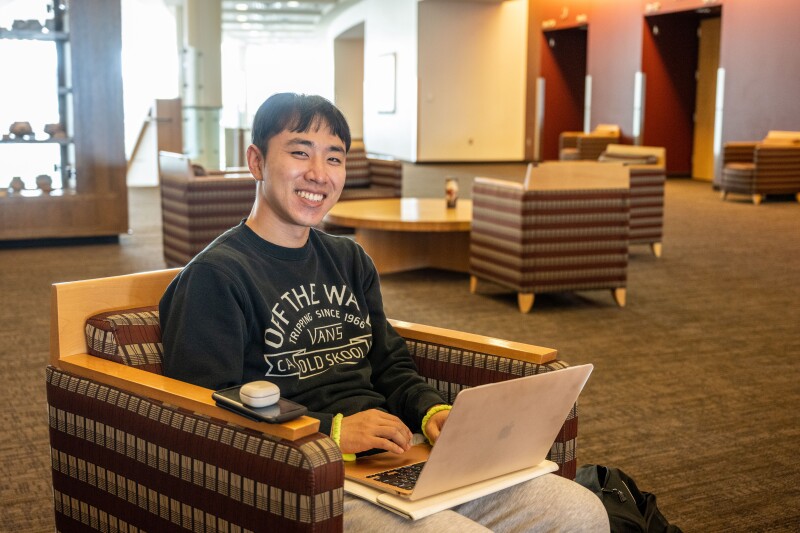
298	180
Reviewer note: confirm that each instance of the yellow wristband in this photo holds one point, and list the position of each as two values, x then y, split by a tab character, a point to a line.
336	435
432	411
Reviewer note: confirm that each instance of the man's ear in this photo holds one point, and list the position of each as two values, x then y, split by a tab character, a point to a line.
255	162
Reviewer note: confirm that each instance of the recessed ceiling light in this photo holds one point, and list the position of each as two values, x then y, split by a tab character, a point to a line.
241	18
242	7
292	3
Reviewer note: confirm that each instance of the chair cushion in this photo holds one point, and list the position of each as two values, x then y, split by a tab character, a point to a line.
740	169
568	154
628	159
131	337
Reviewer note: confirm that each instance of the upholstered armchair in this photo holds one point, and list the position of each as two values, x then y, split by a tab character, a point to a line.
577	145
133	450
566	228
371	175
759	168
197	205
647	165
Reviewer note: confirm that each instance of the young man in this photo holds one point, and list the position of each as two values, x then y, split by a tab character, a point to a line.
274	299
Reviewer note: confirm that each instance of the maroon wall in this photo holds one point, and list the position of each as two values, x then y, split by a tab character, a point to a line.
669	62
563	68
759	46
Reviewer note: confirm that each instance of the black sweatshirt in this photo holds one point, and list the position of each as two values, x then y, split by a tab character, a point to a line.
308	319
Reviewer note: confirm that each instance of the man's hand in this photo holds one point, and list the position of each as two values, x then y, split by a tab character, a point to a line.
435	424
374	429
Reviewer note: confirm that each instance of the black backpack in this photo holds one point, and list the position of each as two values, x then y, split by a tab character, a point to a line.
629	509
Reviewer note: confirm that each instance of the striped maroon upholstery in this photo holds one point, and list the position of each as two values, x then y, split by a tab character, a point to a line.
647	204
549	241
735	152
128	463
591	146
368	177
774	169
357	166
386	173
647	178
584	146
197	209
452	369
122	462
131	337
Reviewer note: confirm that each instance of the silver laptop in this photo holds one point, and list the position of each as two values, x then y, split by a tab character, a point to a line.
497	435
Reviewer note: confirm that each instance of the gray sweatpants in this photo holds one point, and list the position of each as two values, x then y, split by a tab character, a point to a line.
546	504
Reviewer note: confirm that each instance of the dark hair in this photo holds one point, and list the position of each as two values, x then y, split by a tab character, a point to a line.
298	113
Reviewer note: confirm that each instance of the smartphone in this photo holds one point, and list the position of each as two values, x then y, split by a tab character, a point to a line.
283	411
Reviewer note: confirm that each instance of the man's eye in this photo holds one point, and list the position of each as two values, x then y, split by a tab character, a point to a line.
300	153
335	160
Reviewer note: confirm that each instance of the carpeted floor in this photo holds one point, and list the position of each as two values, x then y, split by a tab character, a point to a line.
695	391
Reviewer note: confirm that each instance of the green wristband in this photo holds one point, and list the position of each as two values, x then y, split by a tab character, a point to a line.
336	435
432	411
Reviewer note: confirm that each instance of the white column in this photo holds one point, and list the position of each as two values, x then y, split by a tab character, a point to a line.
202	80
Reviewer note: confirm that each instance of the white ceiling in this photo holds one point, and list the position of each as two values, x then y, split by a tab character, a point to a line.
281	21
256	21
284	20
247	20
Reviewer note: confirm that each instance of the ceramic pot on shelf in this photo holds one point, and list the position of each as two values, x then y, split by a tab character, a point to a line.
20	129
16	184
55	131
45	183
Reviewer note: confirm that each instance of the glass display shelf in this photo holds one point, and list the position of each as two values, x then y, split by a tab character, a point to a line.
65	140
52	65
33	35
26	194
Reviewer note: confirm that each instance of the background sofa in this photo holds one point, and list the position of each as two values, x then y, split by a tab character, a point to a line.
566	228
198	205
647	166
133	450
759	168
577	145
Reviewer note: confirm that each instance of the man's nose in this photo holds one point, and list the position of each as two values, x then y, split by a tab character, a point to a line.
316	169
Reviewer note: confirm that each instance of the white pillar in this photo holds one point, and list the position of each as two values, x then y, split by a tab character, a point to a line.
202	80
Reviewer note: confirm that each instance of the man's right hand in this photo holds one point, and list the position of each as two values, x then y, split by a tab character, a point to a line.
374	429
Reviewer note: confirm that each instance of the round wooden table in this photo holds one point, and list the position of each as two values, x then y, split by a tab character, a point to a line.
408	233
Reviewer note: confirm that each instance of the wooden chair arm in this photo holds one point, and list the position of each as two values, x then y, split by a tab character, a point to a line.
475	343
177	393
74	302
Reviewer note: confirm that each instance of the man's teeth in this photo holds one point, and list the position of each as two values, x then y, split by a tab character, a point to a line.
314	197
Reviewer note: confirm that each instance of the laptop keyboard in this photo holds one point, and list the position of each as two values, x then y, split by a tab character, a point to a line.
404	477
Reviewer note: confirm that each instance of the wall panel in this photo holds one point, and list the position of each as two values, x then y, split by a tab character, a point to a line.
758	51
